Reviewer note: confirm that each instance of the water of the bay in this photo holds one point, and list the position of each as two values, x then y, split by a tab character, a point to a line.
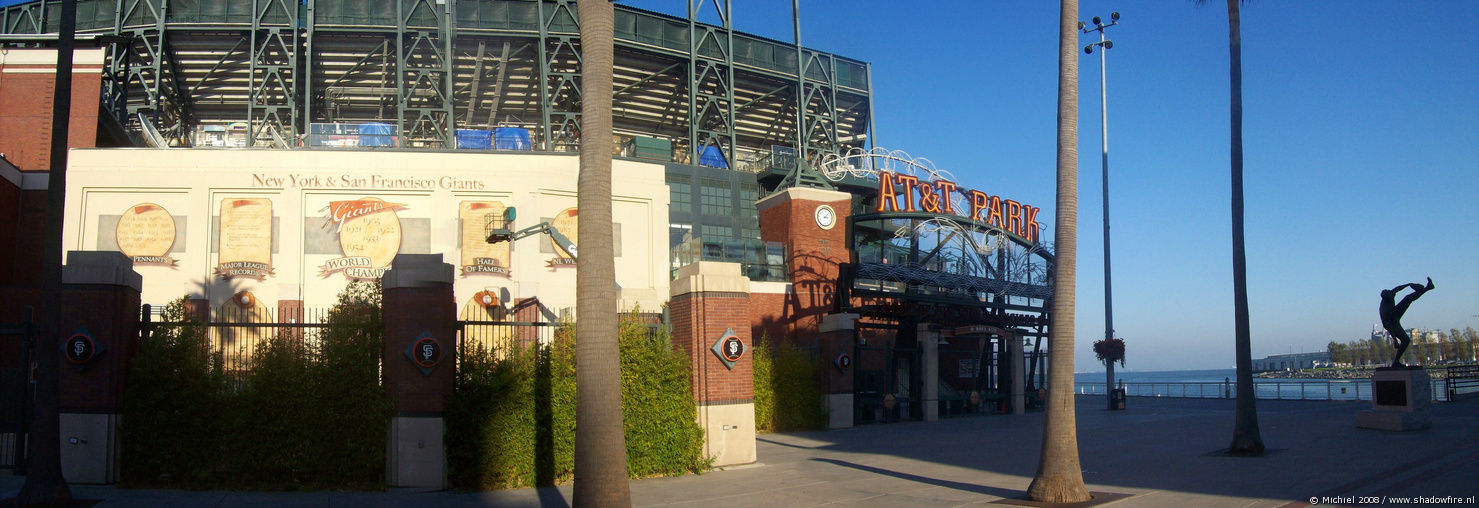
1219	383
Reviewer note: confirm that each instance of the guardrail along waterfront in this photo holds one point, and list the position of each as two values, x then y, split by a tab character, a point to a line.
1354	389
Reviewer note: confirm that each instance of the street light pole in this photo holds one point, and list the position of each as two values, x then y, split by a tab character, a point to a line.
1105	45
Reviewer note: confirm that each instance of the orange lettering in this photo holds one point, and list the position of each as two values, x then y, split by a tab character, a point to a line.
909	182
946	187
993	216
1029	223
888	201
978	202
1014	217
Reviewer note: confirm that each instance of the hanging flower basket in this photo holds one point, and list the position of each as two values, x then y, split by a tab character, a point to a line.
1110	350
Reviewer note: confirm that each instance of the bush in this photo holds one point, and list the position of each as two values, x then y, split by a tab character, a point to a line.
511	421
171	405
311	413
786	394
314	413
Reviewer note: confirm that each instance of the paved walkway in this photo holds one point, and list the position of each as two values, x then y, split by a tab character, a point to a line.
1161	452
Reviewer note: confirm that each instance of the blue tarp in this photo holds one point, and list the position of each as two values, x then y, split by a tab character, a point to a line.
712	157
474	139
376	134
511	138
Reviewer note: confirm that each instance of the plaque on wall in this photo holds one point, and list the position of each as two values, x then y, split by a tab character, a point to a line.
245	238
568	223
478	256
146	233
369	237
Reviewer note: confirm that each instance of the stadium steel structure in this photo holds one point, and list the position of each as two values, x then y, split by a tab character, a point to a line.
429	67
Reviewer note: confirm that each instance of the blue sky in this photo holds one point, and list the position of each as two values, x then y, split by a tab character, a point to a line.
1361	146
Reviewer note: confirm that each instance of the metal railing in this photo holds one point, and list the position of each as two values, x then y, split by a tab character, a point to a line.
1338	389
237	336
1461	382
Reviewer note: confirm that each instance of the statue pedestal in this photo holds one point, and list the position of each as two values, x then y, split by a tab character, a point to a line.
1400	400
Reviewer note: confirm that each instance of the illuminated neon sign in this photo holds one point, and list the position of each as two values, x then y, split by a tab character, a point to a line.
898	192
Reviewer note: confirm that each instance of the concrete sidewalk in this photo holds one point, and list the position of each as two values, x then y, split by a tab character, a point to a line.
1161	452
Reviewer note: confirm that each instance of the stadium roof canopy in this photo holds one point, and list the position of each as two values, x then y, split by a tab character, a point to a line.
275	68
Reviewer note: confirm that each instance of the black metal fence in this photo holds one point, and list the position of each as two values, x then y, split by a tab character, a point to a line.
237	335
15	391
503	337
1462	381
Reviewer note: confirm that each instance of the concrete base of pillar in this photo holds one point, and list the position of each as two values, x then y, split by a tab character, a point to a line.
89	447
414	456
729	432
839	410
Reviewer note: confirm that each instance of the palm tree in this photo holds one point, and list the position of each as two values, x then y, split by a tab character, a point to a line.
1246	440
45	484
1059	479
600	438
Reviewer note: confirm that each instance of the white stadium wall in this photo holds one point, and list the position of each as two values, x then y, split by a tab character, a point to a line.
196	221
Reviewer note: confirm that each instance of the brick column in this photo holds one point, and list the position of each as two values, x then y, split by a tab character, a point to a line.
835	341
813	225
100	335
420	340
709	306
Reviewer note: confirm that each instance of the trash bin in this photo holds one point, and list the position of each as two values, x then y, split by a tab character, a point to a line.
1117	399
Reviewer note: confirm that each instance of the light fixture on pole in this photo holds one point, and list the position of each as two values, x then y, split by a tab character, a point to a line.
1105	45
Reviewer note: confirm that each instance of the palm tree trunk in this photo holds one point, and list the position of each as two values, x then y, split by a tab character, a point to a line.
1246	440
600	436
1059	479
45	484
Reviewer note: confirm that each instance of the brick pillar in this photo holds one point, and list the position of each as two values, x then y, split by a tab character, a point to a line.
100	335
420	340
835	341
709	306
813	225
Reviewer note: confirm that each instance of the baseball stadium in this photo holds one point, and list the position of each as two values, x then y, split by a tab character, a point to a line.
256	155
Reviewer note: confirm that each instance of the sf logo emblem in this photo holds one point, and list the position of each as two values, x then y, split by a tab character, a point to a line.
729	348
426	353
733	348
80	349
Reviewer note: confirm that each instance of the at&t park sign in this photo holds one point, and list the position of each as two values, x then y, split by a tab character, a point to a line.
897	192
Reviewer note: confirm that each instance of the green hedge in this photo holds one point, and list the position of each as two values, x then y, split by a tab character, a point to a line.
170	430
511	420
310	414
786	394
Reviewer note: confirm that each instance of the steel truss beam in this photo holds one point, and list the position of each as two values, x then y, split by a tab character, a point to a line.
148	67
710	81
273	106
559	75
424	73
696	83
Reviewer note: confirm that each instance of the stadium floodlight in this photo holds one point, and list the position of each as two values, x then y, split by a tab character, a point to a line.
1105	44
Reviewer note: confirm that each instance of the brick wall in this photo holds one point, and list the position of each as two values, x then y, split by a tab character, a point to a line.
410	311
10	209
30	227
26	93
813	261
699	319
110	315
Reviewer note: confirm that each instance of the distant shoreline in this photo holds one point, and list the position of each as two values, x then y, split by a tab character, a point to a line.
1348	373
